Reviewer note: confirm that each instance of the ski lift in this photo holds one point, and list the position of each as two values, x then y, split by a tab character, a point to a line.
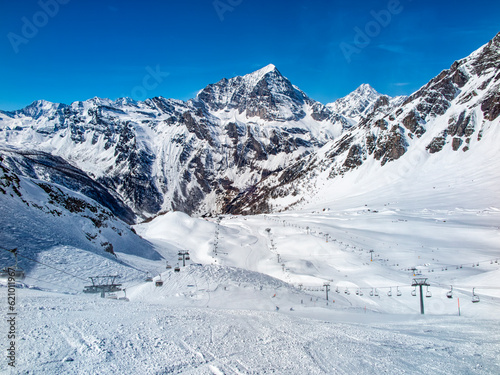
449	294
177	268
159	282
389	293
414	292
16	271
428	294
124	298
398	292
475	297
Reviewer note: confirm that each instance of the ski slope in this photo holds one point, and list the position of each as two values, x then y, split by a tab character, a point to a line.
235	309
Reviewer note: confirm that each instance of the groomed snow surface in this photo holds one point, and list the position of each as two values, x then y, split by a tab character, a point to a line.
219	315
252	299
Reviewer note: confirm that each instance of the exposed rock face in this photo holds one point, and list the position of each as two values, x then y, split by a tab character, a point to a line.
411	122
491	106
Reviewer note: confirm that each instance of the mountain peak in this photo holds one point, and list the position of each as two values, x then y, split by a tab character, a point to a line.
259	74
268	68
358	103
365	89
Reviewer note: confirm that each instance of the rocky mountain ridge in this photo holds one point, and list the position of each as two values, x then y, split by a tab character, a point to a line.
254	143
165	154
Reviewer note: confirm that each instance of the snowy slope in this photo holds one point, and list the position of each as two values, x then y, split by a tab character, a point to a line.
49	223
217	318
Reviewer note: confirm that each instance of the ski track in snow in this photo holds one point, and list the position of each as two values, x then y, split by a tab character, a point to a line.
83	334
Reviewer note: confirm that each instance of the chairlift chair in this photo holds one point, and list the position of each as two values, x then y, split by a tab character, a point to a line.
371	293
18	273
449	294
148	278
398	292
414	292
18	270
475	297
360	292
376	292
346	291
389	293
177	268
159	283
428	294
169	266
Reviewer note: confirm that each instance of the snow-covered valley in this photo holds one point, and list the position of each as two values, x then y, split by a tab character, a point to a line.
219	313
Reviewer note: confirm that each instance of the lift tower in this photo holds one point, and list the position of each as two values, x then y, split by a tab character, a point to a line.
421	281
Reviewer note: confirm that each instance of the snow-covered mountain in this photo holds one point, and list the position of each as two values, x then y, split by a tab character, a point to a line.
450	123
362	101
371	198
38	214
246	141
194	156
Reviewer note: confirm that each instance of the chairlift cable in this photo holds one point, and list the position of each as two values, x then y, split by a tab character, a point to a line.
43	264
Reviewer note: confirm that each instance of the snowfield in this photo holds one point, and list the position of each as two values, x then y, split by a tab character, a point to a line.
234	309
88	335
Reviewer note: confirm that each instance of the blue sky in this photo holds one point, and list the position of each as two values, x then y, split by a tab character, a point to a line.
68	50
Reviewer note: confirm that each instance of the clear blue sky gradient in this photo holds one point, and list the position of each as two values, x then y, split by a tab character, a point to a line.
108	48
